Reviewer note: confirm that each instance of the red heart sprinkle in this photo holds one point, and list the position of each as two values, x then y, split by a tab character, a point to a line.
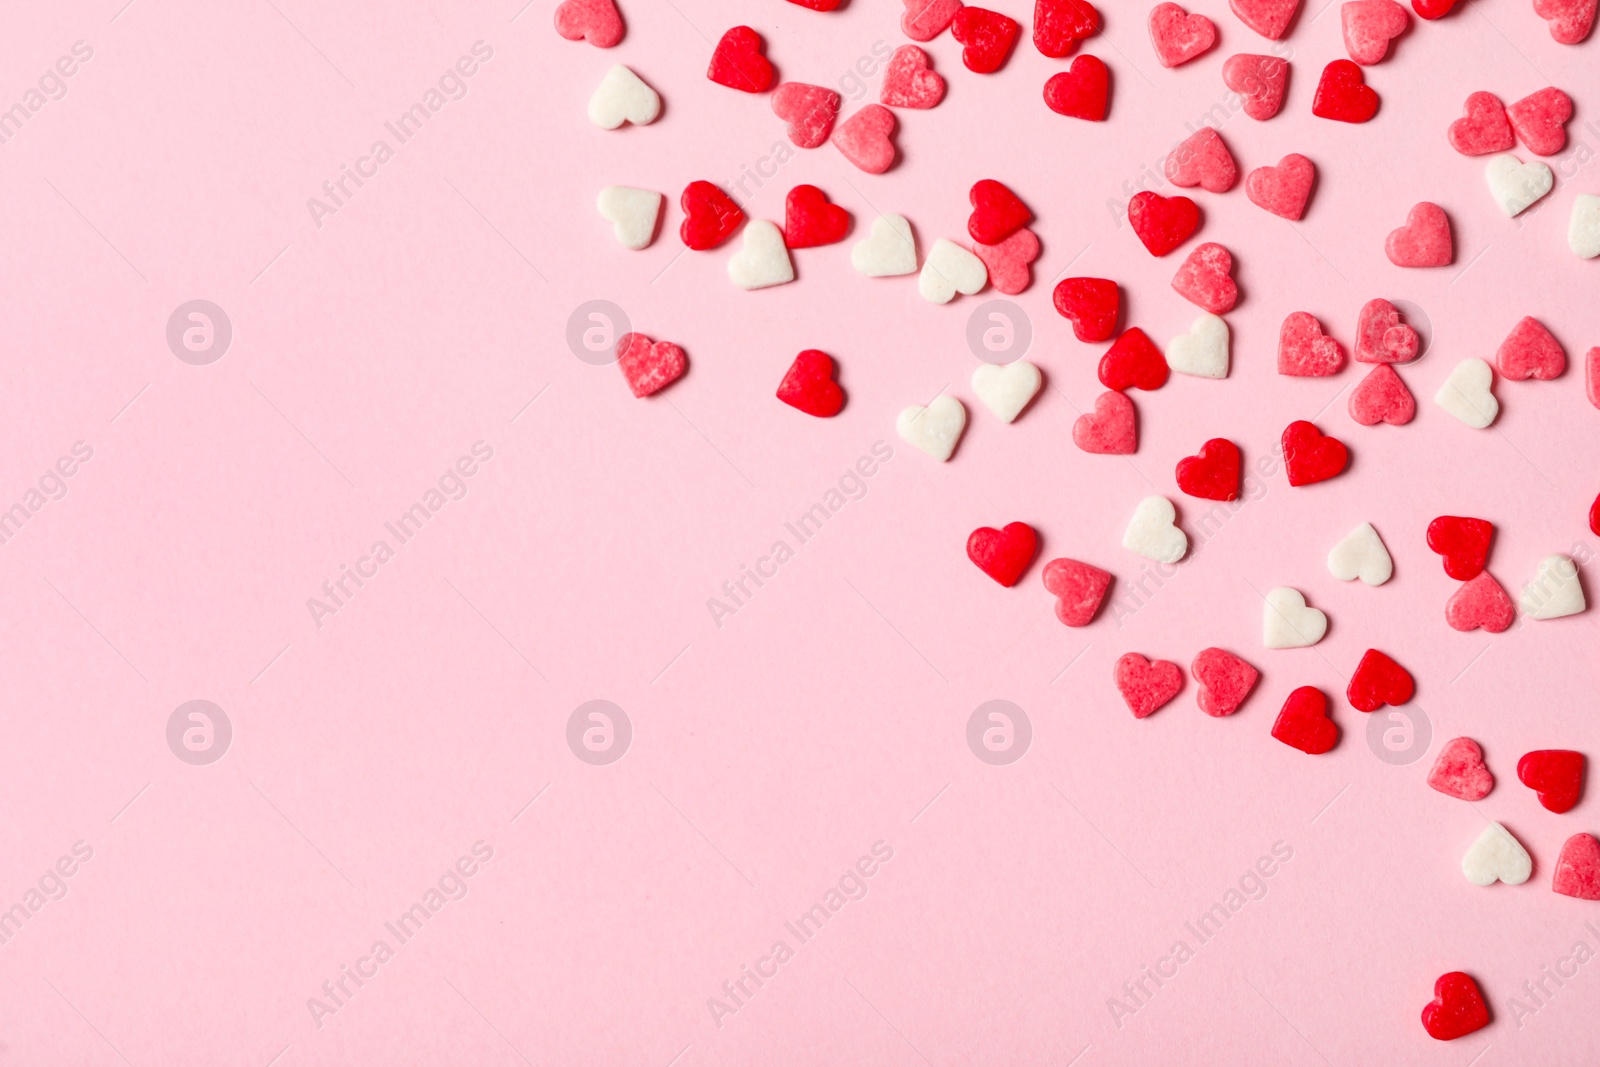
1146	686
1530	352
810	220
1111	429
1259	81
1434	9
1578	868
1082	91
738	63
1213	472
1078	588
1369	26
987	38
1305	351
865	138
1570	20
1010	261
1382	397
909	81
710	217
1556	774
1269	18
1058	25
1309	456
809	385
1464	544
1460	771
1457	1008
1225	681
1381	337
818	5
1205	279
1179	36
1540	120
1162	223
1284	189
1204	160
926	19
808	109
1343	94
1003	554
1133	361
649	366
596	21
1304	723
1092	304
1424	241
1483	127
1480	603
1379	680
996	212
1594	517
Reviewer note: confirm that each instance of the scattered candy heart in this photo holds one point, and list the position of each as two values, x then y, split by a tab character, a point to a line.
1259	81
1111	429
649	366
1179	36
987	38
924	20
809	220
1361	554
1369	26
1555	591
1205	279
1009	262
1309	456
1091	304
1082	91
633	214
1287	621
1078	587
1379	680
1006	390
1463	542
1203	351
1516	185
1583	229
1147	686
1483	128
948	270
1556	774
1213	472
1304	722
1540	120
809	110
818	5
866	138
934	429
1058	25
1162	223
1460	771
1578	868
1457	1008
1204	160
1003	555
1153	531
809	385
1529	351
1305	351
1382	338
710	217
764	259
996	212
1432	9
1283	189
1382	397
1343	94
1591	363
1133	362
889	250
1480	604
622	96
1467	393
1424	241
1570	20
1269	18
1225	681
737	62
909	80
596	21
1496	856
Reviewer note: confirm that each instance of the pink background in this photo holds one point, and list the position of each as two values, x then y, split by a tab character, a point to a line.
830	712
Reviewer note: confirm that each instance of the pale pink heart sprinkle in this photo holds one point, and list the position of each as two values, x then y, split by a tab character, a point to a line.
1204	160
1382	338
1204	279
1110	429
864	138
1304	351
1424	241
1483	128
1480	603
926	19
1460	771
1570	20
1382	397
1539	120
1369	26
1009	261
1578	868
1259	81
1179	36
909	82
1283	189
1269	18
1530	351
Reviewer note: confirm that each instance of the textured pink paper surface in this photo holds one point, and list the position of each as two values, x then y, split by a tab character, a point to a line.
430	312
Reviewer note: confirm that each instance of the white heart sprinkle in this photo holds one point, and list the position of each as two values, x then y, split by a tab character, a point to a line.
1555	591
948	270
1153	531
623	97
889	250
1361	555
1468	393
1583	230
1006	390
934	429
1515	184
632	213
1203	351
764	258
1288	622
1496	856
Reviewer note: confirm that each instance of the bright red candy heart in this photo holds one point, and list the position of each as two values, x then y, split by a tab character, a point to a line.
1304	723
596	21
1092	305
1284	189
1481	603
1082	91
1457	1008
1578	868
926	19
1570	20
809	385
1530	351
866	138
908	81
1269	18
1379	680
1111	429
1213	472
1010	261
1594	517
649	366
810	220
1146	686
1204	160
1556	774
1382	397
1162	223
1464	544
1259	81
1078	588
818	5
1540	120
1304	350
1206	279
710	217
1058	25
1343	94
1424	241
1135	362
996	212
1179	36
1225	680
738	63
1483	127
1003	554
1434	9
987	38
1309	456
809	110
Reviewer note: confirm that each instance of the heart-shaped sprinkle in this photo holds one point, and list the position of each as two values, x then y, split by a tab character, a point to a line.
1361	554
1091	304
596	21
1515	185
809	110
1287	621
997	213
1058	25
1343	94
1082	91
809	385
1382	338
818	5
1382	397
1203	351
1009	262
1556	774
909	80
1225	681
1309	456
1530	351
934	429
1111	429
1006	390
889	250
1153	531
1133	362
1202	159
710	217
1570	20
1304	722
1269	18
1003	555
1305	351
1432	9
622	96
987	38
1260	82
1369	26
764	259
1424	241
1145	685
1162	223
1578	868
633	214
1206	280
1468	393
1464	544
924	20
1379	680
737	62
1457	1008
1483	127
1460	771
948	270
1583	228
809	220
1594	509
1179	36
1496	856
1284	189
1213	472
1078	587
1555	591
649	366
1480	604
1540	120
867	138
